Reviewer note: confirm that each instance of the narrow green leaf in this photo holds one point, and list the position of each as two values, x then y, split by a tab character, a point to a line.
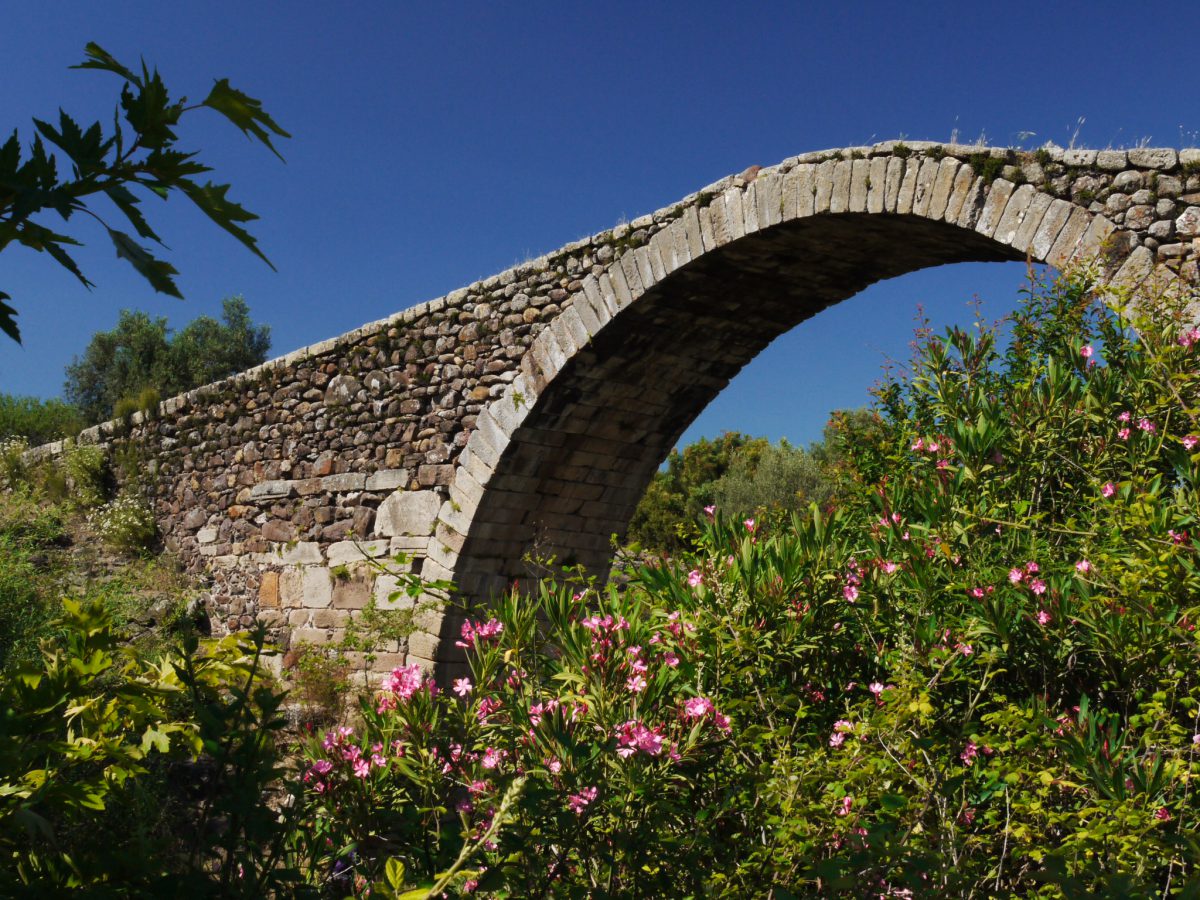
158	272
127	203
245	112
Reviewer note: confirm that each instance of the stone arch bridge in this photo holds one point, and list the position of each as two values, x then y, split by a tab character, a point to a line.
534	406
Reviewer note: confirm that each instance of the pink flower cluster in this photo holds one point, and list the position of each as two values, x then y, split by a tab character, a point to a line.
400	684
853	580
578	802
697	708
634	736
478	632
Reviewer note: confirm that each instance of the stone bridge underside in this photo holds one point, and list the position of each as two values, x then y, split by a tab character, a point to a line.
529	411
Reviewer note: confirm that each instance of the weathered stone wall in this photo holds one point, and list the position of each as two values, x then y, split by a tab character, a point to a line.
530	409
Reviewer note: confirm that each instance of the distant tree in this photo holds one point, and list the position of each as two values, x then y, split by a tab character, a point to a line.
779	479
677	496
37	421
142	154
142	352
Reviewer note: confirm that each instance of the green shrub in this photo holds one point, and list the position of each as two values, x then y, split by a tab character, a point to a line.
87	475
126	524
13	469
38	421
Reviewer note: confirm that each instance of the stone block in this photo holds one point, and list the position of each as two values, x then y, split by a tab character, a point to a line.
314	636
278	531
301	553
343	483
308	587
1111	160
206	535
1157	158
330	618
408	513
387	480
268	590
351	593
345	553
389	594
272	490
1188	223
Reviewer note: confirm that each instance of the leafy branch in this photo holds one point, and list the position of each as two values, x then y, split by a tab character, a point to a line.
139	153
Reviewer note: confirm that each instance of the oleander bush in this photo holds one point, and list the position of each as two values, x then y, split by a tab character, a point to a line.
975	675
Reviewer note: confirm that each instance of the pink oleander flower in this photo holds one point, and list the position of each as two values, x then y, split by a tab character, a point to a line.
634	736
710	510
697	708
846	805
695	579
554	765
474	632
1083	567
837	739
1031	567
1015	575
492	757
1086	351
1187	338
362	767
1190	441
1147	426
670	659
487	706
1178	537
1162	814
850	592
1109	489
462	686
1124	416
875	688
918	445
1196	739
635	684
1038	586
1043	617
889	567
578	802
964	649
977	593
722	722
470	885
970	751
749	523
404	681
1123	434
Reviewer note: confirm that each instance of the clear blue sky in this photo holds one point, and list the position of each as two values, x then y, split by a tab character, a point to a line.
438	143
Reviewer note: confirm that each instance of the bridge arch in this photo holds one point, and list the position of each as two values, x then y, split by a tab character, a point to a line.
651	335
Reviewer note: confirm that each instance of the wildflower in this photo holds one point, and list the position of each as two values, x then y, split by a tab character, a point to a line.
1043	617
578	802
462	686
695	579
1083	567
1146	425
362	767
837	739
1190	441
970	751
635	684
889	567
875	688
1038	586
850	592
1109	489
1123	434
1086	351
670	659
1015	575
846	805
1124	416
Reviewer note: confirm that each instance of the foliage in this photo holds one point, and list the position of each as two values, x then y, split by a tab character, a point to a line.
99	744
783	479
87	475
140	360
37	421
976	676
125	524
143	153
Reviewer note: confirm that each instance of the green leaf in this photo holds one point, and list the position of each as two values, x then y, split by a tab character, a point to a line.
212	201
99	58
243	111
86	149
158	272
8	320
394	871
127	203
